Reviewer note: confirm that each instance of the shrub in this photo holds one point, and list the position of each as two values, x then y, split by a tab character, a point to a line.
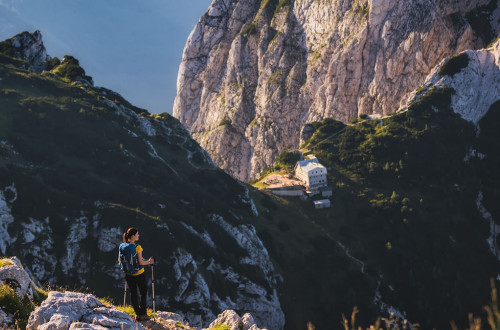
283	226
10	303
52	63
322	130
70	68
454	65
249	29
226	121
281	4
288	158
11	93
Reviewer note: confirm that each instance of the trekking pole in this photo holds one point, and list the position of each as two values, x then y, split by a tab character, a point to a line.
125	295
153	284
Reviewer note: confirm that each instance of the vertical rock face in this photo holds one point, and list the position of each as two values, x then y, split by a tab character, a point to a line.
254	72
29	47
476	82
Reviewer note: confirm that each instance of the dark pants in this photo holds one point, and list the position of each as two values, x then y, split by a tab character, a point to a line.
135	282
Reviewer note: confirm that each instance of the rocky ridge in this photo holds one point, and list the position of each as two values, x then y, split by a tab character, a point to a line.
28	47
476	84
79	165
75	310
254	72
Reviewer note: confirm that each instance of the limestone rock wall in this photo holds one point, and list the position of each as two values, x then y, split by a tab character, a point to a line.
254	72
476	86
29	47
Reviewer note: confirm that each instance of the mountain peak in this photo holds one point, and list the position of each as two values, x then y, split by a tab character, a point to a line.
29	47
256	74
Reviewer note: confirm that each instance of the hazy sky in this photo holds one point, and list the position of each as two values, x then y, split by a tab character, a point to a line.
133	47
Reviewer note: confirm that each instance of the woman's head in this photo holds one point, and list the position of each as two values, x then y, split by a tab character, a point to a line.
130	232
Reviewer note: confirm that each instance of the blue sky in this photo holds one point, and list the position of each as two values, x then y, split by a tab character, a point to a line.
133	47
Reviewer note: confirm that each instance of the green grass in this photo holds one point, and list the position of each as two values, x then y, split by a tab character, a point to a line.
128	308
322	130
281	4
493	42
268	9
39	296
287	159
421	89
394	183
11	304
226	121
69	68
363	10
250	29
221	327
73	149
6	262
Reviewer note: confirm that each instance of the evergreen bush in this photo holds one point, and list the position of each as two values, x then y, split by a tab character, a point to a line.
454	65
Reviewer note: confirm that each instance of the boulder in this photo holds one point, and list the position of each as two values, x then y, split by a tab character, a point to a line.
5	320
18	277
230	318
167	316
72	310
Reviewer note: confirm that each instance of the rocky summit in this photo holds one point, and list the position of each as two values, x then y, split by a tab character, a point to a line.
255	72
28	47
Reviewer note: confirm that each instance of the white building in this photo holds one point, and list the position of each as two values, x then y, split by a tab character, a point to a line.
326	191
322	204
311	172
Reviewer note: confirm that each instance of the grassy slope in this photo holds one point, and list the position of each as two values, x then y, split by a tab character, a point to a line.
66	148
405	204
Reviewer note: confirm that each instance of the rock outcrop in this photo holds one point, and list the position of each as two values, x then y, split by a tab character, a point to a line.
73	310
14	273
5	320
29	47
254	72
230	318
476	82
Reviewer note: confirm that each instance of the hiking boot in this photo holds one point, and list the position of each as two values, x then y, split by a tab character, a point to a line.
143	317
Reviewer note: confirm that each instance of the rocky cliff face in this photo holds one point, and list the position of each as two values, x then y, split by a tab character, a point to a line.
28	47
254	72
475	78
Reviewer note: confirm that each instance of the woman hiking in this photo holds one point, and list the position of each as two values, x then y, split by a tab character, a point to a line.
130	258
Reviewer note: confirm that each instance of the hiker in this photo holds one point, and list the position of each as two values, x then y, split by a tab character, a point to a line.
132	263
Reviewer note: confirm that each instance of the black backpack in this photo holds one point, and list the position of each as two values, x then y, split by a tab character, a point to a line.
129	261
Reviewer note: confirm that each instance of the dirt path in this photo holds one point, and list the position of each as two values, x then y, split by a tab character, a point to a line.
279	181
